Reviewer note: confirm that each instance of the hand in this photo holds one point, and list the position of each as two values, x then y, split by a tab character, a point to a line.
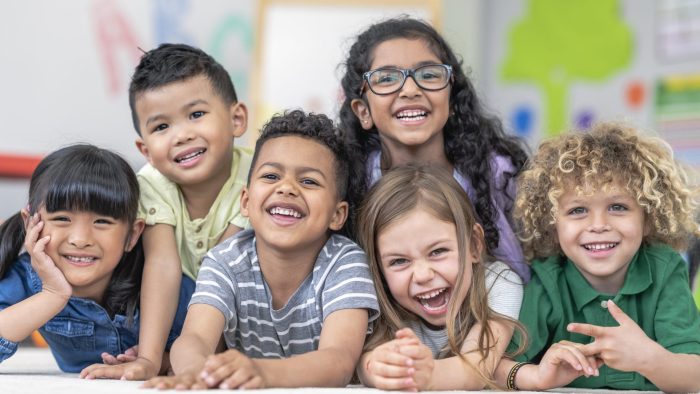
232	370
139	369
389	369
183	381
129	355
625	347
423	362
52	279
562	363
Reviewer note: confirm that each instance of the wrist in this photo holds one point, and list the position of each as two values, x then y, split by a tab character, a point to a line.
654	355
515	382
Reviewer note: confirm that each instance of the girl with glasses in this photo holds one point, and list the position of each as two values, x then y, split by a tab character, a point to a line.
407	100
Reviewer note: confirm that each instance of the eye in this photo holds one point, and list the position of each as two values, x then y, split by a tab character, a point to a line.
196	114
386	77
618	208
270	176
398	262
104	221
310	182
60	218
577	211
437	252
160	127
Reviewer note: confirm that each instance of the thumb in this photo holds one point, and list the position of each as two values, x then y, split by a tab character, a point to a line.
618	314
405	333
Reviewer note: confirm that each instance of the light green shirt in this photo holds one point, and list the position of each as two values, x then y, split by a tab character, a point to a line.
655	294
162	202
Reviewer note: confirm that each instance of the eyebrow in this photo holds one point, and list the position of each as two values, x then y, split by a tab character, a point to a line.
416	65
429	248
301	170
186	106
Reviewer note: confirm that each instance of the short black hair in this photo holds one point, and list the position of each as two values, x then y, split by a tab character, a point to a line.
173	63
316	127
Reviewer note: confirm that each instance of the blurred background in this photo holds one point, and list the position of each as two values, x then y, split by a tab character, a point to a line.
542	66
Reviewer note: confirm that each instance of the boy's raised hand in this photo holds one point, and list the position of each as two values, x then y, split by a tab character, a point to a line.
52	279
232	370
423	362
623	347
389	369
562	363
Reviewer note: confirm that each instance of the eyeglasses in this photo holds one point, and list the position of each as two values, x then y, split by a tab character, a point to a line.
390	80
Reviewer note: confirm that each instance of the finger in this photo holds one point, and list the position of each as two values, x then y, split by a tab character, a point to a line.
237	378
405	333
416	351
255	383
393	358
132	351
406	384
586	329
618	314
578	360
109	359
88	369
391	371
214	376
105	372
123	358
592	349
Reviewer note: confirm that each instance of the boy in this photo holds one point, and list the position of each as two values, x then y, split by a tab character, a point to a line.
288	287
609	304
186	114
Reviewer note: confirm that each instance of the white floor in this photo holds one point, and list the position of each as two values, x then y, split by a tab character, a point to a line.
33	370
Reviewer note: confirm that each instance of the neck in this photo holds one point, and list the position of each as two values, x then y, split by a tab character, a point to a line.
200	196
285	270
405	156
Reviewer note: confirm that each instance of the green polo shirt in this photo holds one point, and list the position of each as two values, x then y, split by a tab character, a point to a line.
655	294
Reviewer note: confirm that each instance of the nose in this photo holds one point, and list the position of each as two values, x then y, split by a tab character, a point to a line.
287	187
410	88
599	223
80	237
184	134
422	272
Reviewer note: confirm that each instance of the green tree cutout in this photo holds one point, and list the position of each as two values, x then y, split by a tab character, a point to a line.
558	42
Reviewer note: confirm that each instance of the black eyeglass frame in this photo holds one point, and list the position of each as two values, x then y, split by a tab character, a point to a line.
407	72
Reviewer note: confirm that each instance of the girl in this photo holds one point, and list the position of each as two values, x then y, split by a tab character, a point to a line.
433	117
77	277
426	255
609	304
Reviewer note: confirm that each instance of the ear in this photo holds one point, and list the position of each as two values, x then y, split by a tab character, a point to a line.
141	146
476	243
136	230
24	212
239	118
361	110
244	201
339	216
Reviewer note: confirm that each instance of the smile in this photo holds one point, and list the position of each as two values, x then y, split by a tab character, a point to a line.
285	212
434	301
189	156
600	246
80	260
412	115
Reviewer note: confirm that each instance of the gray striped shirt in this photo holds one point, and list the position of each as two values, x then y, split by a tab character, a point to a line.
231	281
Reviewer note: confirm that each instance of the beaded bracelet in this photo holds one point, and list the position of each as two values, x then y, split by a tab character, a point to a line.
510	382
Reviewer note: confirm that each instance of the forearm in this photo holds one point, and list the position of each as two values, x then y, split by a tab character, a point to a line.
188	354
159	297
320	368
672	372
18	321
525	379
453	373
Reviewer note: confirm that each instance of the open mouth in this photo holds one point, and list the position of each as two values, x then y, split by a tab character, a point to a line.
80	260
287	212
599	247
411	115
189	156
435	300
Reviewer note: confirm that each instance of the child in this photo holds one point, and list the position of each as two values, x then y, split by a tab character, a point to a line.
426	254
434	117
288	287
186	114
598	210
78	279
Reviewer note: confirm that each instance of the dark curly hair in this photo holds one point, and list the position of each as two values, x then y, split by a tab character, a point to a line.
471	136
319	128
174	63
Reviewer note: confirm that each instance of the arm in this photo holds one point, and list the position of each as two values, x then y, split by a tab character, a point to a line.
159	295
200	336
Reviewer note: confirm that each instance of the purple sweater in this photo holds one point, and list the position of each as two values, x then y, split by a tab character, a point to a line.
509	249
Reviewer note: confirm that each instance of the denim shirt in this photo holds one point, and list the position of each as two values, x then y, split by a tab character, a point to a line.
80	332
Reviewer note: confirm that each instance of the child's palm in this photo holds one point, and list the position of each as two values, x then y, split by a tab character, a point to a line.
52	278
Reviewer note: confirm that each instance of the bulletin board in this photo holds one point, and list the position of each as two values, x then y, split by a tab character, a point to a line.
303	69
552	65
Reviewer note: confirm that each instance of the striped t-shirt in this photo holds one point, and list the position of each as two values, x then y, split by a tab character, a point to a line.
231	281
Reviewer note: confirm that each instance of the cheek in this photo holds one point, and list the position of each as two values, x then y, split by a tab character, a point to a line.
395	283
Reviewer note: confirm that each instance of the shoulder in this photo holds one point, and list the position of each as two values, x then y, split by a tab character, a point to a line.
149	174
235	252
663	260
242	159
342	248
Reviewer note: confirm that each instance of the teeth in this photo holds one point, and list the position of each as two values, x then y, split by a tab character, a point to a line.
285	212
80	259
411	114
430	295
600	246
189	156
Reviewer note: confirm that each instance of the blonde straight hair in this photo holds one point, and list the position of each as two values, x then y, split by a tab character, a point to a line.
434	190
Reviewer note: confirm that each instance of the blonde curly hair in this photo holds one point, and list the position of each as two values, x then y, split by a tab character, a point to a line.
609	153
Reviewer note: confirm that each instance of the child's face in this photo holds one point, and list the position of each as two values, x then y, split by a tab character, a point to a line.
87	247
292	199
187	130
601	233
420	261
412	117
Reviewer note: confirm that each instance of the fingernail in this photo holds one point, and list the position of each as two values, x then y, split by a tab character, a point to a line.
409	362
